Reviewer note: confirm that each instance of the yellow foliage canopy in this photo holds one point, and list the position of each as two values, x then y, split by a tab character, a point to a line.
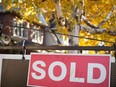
95	11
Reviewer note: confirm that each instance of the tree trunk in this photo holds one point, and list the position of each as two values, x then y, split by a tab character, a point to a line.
73	41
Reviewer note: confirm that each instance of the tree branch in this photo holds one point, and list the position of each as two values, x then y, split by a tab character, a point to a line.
102	22
58	8
107	16
89	23
92	30
98	31
112	33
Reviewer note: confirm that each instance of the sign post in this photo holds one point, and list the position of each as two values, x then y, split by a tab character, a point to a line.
64	70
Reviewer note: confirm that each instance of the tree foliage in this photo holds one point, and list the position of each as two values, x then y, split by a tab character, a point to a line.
94	10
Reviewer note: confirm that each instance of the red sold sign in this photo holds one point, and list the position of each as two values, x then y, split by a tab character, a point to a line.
54	70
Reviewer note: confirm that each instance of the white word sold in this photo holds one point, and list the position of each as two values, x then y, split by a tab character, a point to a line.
63	73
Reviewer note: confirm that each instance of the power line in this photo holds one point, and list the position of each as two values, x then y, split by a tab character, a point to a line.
84	37
50	31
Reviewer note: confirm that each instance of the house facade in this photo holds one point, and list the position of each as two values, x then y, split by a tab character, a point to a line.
13	28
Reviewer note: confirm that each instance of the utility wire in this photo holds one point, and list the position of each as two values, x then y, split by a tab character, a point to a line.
65	34
85	37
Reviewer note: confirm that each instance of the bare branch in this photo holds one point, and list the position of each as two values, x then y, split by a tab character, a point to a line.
78	14
112	33
58	8
98	31
89	23
102	22
108	16
92	30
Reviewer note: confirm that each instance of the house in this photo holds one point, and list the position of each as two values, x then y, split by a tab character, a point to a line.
15	29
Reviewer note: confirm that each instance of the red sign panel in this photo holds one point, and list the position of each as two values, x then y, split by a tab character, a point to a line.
58	70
